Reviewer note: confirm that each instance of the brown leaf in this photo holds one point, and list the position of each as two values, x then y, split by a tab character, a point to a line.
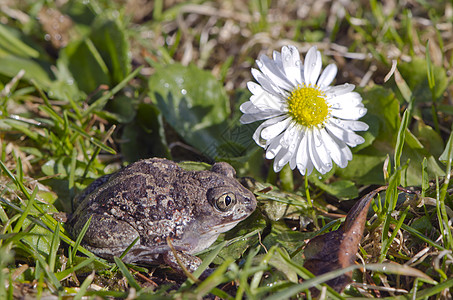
337	249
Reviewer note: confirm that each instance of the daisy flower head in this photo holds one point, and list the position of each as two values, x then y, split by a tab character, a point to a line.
308	123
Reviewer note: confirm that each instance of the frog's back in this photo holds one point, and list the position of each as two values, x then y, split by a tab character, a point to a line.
155	196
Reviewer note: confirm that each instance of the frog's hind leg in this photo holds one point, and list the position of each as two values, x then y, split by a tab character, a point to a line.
163	255
106	236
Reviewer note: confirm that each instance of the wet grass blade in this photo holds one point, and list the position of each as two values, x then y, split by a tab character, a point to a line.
216	278
442	214
27	210
127	274
55	244
79	238
84	286
63	274
99	103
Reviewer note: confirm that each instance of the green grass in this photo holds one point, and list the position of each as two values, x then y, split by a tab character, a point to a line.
87	87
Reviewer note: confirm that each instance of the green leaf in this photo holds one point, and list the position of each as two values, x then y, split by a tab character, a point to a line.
80	12
415	152
292	241
193	102
194	166
41	238
11	42
110	40
429	138
85	64
383	112
366	166
99	103
64	86
61	167
429	68
342	189
236	141
383	119
415	73
444	156
35	69
121	108
144	137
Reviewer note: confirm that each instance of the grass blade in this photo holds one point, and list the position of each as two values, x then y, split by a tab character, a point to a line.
63	274
127	274
99	103
55	244
83	288
79	238
27	210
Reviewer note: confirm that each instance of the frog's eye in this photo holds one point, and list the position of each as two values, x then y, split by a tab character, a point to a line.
225	201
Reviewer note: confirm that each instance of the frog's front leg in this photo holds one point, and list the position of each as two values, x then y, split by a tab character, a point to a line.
189	261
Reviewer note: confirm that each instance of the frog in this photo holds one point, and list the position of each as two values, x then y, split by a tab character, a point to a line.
169	212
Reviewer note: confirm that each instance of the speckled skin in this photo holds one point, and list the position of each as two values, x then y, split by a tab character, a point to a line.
154	199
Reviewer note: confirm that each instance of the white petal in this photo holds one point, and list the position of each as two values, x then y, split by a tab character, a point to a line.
334	149
302	155
306	170
274	147
292	64
335	91
309	169
351	113
277	57
347	136
249	108
351	125
348	99
296	143
265	124
321	150
274	73
281	159
278	61
327	76
318	154
267	84
290	136
345	151
268	101
346	154
272	131
255	88
312	66
264	115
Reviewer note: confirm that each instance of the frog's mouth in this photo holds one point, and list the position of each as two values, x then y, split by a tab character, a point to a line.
223	227
204	238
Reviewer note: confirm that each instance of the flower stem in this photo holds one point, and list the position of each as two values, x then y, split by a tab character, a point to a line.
286	178
307	192
310	203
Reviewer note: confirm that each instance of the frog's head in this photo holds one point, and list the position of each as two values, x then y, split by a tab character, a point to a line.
227	203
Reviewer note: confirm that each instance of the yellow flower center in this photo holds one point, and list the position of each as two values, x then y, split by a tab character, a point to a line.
307	106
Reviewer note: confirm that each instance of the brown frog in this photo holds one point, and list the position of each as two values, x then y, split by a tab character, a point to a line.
155	199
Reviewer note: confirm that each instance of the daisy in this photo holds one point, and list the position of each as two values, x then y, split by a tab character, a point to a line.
308	123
